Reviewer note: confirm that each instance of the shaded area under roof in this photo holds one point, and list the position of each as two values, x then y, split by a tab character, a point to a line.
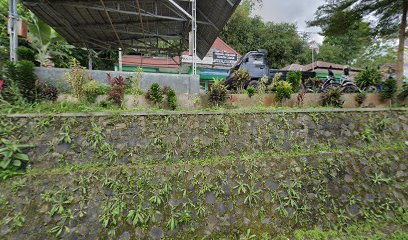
147	26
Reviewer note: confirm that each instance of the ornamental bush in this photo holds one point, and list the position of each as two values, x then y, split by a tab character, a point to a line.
389	88
155	94
283	90
295	79
368	77
332	98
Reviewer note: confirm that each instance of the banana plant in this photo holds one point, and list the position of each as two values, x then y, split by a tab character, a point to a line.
42	38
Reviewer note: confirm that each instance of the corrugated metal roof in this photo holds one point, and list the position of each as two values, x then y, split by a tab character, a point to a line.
140	24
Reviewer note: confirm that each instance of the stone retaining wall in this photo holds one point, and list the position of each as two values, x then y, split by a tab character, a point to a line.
137	137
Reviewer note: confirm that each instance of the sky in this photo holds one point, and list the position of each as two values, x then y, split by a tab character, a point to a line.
292	11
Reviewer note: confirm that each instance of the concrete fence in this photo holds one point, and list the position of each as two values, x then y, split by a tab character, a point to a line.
181	83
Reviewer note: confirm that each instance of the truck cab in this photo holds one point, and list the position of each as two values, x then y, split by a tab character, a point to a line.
254	62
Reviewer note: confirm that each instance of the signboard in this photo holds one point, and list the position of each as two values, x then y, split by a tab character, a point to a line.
221	58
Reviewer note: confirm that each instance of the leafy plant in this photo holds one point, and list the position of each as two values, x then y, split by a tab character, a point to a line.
251	92
361	97
133	83
404	93
295	79
11	155
155	94
172	99
368	77
137	217
78	78
332	97
46	91
283	90
218	93
389	89
313	84
26	79
117	91
91	91
240	78
368	135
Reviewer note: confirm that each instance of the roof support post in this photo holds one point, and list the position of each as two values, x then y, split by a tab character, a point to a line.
193	17
12	29
120	60
194	25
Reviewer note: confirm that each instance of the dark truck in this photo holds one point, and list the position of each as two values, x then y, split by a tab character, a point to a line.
256	64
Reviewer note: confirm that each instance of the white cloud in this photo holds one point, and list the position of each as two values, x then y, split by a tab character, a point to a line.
292	11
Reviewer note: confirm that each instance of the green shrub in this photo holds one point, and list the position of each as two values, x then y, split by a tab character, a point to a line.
25	79
361	97
218	93
91	91
171	99
78	78
389	88
332	97
295	79
241	77
251	92
155	94
404	93
25	53
369	77
283	90
133	83
10	91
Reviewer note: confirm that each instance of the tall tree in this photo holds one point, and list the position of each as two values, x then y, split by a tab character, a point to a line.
346	48
245	33
338	16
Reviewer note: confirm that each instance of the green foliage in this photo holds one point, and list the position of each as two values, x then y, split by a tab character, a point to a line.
404	93
313	84
112	212
218	93
295	79
389	88
251	92
78	78
25	79
245	31
332	97
361	97
368	77
133	83
91	91
11	157
155	94
172	99
25	53
20	82
283	90
240	78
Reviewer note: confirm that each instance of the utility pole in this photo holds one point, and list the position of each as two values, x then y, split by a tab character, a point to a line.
12	29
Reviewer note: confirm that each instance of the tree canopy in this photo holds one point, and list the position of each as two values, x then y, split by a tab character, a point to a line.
388	19
245	33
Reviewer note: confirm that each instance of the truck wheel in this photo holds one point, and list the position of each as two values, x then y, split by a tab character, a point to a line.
253	84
